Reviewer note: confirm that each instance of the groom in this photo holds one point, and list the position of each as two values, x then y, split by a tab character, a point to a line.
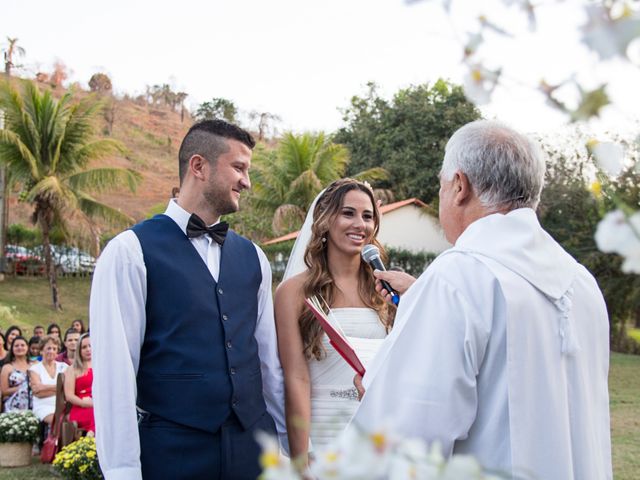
183	331
501	348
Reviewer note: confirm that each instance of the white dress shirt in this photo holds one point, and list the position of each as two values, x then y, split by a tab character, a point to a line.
118	322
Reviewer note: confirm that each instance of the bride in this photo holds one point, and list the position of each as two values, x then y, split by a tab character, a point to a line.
319	394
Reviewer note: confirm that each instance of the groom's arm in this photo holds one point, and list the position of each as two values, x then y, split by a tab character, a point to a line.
117	316
265	334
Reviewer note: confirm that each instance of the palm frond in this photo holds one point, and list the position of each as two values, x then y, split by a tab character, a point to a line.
375	174
95	209
51	190
20	153
100	179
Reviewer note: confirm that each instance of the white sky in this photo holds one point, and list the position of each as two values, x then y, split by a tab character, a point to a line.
302	60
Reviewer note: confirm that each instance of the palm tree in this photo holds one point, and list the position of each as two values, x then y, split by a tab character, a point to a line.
12	50
47	145
286	180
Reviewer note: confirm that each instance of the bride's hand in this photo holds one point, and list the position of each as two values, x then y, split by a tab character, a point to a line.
357	382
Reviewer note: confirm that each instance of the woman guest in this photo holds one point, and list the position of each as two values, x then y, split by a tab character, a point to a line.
4	355
77	386
54	330
14	380
78	326
319	389
43	376
11	333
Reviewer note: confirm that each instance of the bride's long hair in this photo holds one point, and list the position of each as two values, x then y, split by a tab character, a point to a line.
319	280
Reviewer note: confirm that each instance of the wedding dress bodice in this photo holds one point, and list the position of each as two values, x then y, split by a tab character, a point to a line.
334	399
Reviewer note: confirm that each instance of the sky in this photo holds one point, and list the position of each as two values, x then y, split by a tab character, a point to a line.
303	60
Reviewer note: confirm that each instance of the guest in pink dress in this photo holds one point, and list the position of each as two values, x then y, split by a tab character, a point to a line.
77	386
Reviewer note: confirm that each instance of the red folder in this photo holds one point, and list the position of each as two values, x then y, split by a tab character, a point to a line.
336	338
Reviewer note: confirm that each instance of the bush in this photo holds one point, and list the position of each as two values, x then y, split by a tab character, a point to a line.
19	427
411	262
78	461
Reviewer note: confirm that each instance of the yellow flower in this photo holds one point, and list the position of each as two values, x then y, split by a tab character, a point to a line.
91	454
83	468
596	189
379	441
269	460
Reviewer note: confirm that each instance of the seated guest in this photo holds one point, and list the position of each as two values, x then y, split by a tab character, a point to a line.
78	326
11	333
71	337
54	330
77	386
34	349
38	331
13	377
43	376
3	353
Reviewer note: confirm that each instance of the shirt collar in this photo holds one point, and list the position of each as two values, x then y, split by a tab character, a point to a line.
179	215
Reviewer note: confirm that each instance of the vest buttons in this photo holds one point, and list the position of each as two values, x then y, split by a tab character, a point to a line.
225	318
220	291
234	402
233	371
228	344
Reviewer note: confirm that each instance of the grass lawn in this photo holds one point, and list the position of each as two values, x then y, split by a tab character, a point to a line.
29	301
31	298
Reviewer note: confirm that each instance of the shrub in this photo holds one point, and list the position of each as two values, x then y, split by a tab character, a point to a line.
19	427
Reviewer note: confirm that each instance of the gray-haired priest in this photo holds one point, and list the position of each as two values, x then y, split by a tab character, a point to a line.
501	348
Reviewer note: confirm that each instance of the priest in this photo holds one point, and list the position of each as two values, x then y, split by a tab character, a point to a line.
500	349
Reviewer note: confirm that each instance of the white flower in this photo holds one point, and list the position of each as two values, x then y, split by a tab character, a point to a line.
479	84
473	42
618	234
609	156
276	467
608	36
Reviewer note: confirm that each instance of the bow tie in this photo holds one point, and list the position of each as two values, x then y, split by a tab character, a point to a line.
196	227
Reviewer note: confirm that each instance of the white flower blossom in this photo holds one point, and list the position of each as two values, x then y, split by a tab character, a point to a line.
479	84
609	156
618	234
608	36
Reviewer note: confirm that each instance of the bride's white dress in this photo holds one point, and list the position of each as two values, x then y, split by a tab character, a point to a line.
334	399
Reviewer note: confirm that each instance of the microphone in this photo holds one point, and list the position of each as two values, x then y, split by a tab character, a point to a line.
371	255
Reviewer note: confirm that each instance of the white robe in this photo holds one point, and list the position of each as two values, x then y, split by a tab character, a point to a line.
500	350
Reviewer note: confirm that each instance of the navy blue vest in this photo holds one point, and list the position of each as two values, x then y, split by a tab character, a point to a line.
199	360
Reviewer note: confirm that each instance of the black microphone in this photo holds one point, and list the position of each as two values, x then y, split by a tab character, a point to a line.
371	255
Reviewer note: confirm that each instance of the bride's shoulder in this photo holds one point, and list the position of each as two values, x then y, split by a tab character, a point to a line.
292	287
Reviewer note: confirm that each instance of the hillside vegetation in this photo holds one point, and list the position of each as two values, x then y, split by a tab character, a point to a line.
152	136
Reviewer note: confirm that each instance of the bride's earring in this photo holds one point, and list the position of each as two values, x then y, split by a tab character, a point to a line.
324	239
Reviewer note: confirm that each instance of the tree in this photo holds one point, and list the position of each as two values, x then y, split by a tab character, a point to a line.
11	51
47	145
100	82
265	122
406	136
570	213
286	180
217	108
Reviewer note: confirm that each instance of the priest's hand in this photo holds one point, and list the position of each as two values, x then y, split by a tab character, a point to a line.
357	382
400	281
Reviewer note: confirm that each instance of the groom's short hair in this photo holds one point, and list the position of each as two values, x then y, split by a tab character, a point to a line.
208	139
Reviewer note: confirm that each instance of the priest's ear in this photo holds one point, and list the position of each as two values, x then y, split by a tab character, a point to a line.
462	189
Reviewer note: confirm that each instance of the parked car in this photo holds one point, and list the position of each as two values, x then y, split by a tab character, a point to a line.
23	261
70	260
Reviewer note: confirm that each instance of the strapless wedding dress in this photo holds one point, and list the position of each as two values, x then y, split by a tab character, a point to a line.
334	399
